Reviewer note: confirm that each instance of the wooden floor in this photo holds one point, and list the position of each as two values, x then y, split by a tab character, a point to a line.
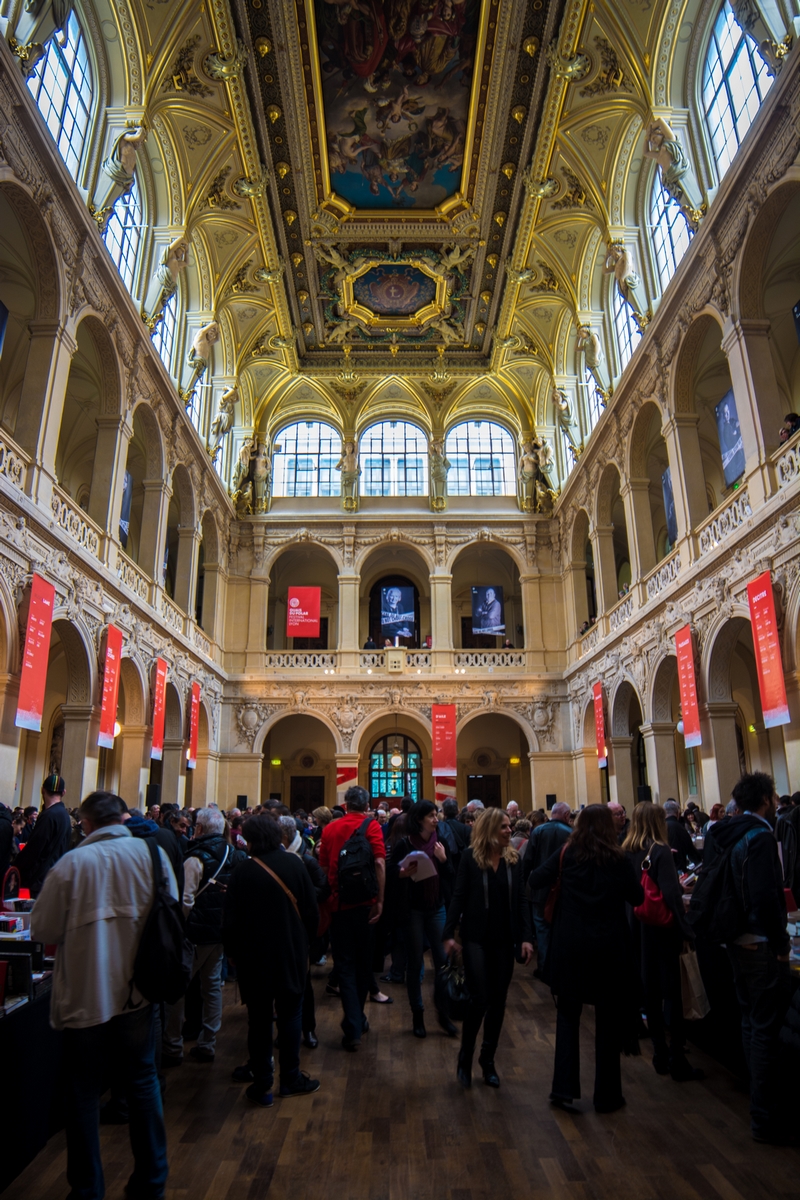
391	1123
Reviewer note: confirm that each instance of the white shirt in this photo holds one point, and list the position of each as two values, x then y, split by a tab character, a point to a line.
93	906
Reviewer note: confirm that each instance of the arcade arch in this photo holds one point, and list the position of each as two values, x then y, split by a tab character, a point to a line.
493	761
478	567
628	757
299	763
306	564
389	565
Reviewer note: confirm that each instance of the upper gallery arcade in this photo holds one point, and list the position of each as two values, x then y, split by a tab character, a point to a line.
435	300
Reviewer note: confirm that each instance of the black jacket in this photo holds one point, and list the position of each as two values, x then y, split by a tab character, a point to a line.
204	923
468	907
456	837
787	831
271	952
49	840
410	895
544	840
6	839
319	880
166	839
681	842
590	955
756	872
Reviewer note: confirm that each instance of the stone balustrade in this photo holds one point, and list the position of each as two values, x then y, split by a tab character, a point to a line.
664	574
725	521
74	522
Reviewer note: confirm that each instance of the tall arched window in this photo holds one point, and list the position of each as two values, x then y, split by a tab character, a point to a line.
670	232
124	233
628	332
164	336
735	81
482	460
394	460
61	85
395	768
304	460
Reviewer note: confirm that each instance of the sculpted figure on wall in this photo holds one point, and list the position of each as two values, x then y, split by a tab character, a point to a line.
348	465
118	172
662	145
262	475
36	24
165	281
619	263
223	421
198	359
241	485
526	477
594	357
438	468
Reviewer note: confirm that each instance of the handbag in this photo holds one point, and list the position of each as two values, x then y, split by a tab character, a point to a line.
455	988
653	910
555	891
693	993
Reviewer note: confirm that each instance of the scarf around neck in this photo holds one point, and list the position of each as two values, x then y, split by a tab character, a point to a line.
430	887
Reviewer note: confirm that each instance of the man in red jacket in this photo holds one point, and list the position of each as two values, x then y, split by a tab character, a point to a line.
352	925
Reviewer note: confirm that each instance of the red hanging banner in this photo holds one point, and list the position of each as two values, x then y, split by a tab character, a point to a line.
599	725
767	647
684	648
159	686
346	777
35	655
111	666
194	720
302	612
443	722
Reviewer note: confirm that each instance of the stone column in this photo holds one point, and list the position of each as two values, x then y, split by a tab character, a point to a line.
44	388
349	636
173	771
186	568
639	519
605	567
719	754
688	477
442	620
576	597
662	766
620	777
9	739
256	653
791	732
212	601
759	403
204	783
133	747
240	775
108	472
533	641
153	531
80	753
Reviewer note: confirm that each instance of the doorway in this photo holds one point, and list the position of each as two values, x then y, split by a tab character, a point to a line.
306	792
485	788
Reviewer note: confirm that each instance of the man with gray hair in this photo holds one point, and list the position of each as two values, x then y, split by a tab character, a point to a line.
475	806
678	836
545	840
208	866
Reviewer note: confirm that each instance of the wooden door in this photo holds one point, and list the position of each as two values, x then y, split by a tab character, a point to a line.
306	792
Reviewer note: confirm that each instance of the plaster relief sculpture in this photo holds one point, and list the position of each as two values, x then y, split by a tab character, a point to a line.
118	173
35	26
594	357
348	465
262	475
438	468
619	263
224	67
198	359
223	421
164	283
662	145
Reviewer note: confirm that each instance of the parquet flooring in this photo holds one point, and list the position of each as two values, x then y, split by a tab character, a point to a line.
391	1123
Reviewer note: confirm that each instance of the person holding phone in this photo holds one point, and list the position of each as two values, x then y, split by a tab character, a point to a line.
493	917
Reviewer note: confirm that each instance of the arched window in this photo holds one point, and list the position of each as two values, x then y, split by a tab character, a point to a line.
164	336
670	231
304	460
594	400
735	81
482	460
123	234
394	460
61	85
395	768
628	332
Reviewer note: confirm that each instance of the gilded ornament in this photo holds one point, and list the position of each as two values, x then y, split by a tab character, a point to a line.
302	297
486	297
274	113
290	216
500	218
530	46
508	169
307	328
263	46
297	258
519	113
492	260
480	328
282	168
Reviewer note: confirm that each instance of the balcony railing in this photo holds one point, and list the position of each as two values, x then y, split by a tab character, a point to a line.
490	658
372	660
294	660
199	640
132	577
621	613
787	466
74	522
588	641
417	659
725	521
171	613
12	462
664	574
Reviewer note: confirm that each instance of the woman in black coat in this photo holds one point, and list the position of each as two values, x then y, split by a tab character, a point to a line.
493	917
590	958
658	947
271	954
420	909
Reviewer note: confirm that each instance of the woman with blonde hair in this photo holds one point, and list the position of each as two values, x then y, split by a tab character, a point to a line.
658	947
490	909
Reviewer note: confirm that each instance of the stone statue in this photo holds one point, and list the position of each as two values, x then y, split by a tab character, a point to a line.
438	468
348	465
527	471
335	334
662	145
543	453
165	281
544	498
36	24
118	170
243	500
619	263
563	411
223	421
262	473
450	334
198	358
594	357
751	19
523	276
241	487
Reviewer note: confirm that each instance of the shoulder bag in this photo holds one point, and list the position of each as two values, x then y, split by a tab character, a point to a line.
555	890
653	910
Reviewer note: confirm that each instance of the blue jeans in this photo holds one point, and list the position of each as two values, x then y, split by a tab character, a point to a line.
542	934
288	1007
762	989
123	1048
419	925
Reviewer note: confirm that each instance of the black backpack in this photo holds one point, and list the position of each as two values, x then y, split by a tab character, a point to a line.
717	910
162	969
358	879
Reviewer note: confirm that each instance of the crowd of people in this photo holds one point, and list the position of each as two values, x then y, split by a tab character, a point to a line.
607	906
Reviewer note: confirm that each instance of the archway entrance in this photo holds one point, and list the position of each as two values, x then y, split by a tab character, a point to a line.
493	764
395	768
299	764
